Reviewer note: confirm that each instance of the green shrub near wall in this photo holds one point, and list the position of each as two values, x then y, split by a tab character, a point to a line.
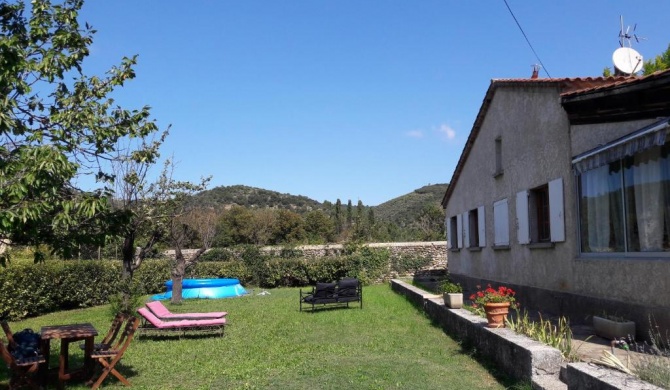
33	289
220	269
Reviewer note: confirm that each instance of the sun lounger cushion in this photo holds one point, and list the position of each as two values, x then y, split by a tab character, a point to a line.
323	293
162	312
158	323
347	289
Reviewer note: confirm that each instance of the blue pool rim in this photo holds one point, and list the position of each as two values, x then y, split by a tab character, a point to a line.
205	289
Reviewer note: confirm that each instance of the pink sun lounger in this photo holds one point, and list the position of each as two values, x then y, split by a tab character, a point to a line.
164	313
151	323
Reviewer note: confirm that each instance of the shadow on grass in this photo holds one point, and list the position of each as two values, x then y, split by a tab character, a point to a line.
176	336
326	309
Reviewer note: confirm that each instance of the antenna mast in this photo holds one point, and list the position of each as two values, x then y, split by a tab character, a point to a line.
627	61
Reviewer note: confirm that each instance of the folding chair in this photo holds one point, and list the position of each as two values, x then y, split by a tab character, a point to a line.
108	358
114	329
21	369
8	334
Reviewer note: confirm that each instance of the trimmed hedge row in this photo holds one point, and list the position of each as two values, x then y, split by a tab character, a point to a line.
30	290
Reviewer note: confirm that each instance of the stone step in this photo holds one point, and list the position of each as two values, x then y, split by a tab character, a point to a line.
548	382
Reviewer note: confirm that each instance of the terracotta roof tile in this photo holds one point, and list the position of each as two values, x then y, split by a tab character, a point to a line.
618	82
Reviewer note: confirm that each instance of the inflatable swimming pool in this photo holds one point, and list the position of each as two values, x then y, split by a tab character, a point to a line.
205	288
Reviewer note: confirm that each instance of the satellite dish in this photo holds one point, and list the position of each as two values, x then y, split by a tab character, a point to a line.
627	60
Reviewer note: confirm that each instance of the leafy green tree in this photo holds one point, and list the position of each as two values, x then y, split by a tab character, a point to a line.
660	62
360	228
431	223
234	227
338	216
350	214
319	229
263	226
289	228
57	128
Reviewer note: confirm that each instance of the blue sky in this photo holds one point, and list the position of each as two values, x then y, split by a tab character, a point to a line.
342	99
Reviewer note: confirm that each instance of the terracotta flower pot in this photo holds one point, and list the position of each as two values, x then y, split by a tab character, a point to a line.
496	313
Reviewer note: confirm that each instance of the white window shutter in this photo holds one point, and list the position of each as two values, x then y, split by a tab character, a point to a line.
448	226
501	222
556	214
523	227
481	225
466	230
459	229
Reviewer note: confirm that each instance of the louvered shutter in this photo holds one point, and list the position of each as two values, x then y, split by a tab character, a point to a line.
501	223
481	225
556	212
523	228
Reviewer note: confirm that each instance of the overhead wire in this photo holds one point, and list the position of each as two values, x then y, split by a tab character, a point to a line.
527	40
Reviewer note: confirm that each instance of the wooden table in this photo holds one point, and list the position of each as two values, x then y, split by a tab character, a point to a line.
68	334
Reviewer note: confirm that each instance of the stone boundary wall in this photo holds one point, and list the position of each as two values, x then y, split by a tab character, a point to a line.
437	250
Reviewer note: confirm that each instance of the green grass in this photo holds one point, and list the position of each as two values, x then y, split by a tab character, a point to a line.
269	344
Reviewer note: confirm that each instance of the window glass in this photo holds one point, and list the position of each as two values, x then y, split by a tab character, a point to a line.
601	209
646	181
474	228
625	206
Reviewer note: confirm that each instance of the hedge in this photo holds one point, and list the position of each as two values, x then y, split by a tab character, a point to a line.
34	289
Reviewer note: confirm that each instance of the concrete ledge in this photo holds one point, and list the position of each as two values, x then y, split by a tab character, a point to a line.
519	356
593	376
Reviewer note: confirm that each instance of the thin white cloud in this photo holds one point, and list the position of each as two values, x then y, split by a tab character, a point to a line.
415	134
446	131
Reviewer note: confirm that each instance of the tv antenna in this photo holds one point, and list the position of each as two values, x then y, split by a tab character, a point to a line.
627	61
626	36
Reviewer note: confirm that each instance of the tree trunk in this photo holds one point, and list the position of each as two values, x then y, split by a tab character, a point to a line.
128	252
178	277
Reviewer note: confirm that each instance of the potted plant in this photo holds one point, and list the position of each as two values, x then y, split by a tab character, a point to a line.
452	294
613	327
496	304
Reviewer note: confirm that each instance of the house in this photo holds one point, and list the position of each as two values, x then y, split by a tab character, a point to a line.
562	192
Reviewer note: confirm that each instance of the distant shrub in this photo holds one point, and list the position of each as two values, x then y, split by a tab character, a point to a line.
218	254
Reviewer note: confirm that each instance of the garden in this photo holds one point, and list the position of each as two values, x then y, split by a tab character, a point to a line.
268	343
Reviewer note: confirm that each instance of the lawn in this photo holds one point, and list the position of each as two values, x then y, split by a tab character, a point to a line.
269	344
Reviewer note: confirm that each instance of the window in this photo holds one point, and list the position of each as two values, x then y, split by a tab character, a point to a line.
452	233
499	167
476	228
540	214
539	209
473	235
624	206
500	223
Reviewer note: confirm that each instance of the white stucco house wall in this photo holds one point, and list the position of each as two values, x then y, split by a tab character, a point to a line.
562	192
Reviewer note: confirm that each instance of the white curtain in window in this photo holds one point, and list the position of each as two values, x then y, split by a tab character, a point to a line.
648	189
595	191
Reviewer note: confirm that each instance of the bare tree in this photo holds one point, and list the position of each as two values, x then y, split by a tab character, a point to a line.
201	222
144	204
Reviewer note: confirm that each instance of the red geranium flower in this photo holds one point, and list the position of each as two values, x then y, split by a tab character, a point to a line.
491	295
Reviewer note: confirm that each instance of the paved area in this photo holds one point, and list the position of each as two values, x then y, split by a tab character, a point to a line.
588	346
